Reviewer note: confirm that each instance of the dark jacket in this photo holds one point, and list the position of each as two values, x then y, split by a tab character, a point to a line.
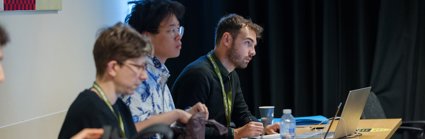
199	83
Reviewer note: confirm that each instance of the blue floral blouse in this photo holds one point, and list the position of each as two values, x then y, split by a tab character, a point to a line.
152	96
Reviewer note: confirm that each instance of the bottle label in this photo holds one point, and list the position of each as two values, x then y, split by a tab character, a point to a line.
291	130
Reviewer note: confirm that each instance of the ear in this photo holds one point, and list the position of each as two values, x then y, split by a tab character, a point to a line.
112	68
147	34
227	39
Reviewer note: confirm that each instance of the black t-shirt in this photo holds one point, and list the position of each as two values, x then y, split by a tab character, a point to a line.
89	111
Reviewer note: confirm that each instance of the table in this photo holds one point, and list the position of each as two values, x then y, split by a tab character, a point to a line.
379	128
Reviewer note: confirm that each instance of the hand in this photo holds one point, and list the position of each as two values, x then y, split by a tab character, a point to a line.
199	107
272	129
252	129
89	133
183	116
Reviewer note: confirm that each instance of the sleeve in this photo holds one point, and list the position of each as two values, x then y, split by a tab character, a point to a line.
84	113
240	113
190	87
78	117
193	86
139	102
69	127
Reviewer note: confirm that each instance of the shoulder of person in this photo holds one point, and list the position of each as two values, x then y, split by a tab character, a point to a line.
86	101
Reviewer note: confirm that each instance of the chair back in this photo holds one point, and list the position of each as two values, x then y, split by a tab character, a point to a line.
373	108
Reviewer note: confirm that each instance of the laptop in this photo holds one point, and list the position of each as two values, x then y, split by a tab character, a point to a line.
349	119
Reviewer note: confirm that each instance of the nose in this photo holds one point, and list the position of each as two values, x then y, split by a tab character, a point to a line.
252	52
178	37
143	75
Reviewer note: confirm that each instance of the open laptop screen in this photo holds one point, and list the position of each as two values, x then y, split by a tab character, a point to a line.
350	116
352	112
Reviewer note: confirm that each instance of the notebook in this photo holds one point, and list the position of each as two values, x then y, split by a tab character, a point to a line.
350	116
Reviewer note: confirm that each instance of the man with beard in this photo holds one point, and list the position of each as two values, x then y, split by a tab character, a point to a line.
212	79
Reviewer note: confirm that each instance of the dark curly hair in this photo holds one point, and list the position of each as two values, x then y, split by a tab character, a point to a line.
147	15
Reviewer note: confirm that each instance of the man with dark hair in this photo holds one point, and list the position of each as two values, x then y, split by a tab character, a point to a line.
212	78
4	39
120	54
159	20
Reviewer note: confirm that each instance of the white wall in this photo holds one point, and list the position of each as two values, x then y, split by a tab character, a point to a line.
48	62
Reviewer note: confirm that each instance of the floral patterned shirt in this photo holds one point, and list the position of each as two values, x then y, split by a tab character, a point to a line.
152	96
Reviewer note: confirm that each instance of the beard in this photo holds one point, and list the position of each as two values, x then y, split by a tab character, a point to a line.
237	59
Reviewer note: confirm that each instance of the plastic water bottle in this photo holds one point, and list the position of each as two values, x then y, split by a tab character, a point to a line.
287	125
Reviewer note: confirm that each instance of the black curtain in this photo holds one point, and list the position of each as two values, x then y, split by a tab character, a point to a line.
314	51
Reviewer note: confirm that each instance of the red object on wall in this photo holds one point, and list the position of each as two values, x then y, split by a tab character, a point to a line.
19	5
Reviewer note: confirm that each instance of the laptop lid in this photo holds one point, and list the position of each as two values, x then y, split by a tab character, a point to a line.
352	112
333	119
349	119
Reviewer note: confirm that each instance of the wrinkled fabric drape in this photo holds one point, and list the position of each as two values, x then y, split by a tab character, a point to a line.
314	51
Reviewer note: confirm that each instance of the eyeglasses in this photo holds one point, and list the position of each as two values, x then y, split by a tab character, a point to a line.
139	68
179	30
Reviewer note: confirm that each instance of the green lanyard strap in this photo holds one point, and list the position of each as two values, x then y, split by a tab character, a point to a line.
102	95
227	98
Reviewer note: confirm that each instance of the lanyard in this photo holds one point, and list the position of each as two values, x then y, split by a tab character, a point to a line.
227	98
100	93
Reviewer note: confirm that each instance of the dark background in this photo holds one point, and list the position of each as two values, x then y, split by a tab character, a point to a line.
314	51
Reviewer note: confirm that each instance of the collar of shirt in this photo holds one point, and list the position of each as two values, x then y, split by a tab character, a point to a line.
223	69
158	69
